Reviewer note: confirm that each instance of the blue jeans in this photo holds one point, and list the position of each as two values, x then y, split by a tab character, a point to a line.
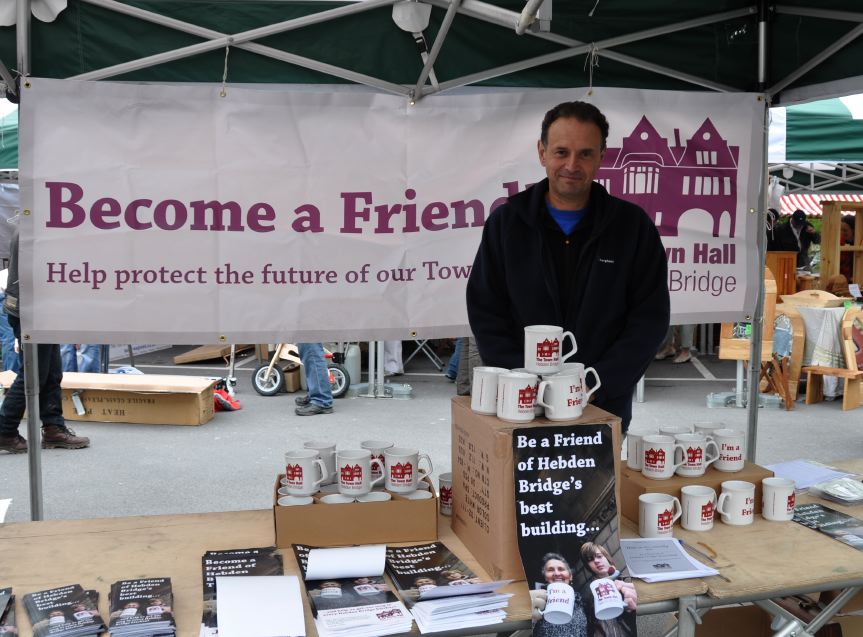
452	367
11	358
90	358
317	376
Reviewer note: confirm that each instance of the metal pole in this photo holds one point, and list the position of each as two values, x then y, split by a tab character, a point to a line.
380	391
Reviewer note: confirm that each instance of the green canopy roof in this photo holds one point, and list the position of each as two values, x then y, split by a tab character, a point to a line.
9	141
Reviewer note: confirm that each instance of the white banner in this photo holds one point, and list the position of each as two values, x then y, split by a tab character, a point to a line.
169	214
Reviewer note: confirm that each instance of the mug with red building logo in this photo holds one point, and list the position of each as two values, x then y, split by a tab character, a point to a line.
354	469
696	454
304	471
659	453
445	493
401	468
516	393
543	348
777	499
657	513
699	504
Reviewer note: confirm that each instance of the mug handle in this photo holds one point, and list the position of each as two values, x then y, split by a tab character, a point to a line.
324	473
709	461
679	511
540	394
722	498
677	465
588	394
424	474
572	352
381	468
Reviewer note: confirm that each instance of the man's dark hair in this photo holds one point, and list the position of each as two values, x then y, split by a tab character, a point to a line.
582	111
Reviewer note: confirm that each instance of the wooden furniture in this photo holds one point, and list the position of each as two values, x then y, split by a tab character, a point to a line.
732	347
807	282
783	265
798	344
831	219
851	375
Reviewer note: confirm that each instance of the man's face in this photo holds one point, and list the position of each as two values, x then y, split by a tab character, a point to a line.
571	160
556	571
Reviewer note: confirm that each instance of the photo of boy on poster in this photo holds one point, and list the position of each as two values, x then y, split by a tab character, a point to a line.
567	526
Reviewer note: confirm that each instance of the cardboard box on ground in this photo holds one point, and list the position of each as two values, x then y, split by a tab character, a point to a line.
318	524
633	484
133	398
483	483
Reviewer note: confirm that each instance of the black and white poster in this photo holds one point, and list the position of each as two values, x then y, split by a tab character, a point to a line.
567	530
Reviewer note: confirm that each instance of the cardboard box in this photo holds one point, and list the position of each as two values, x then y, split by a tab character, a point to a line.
292	378
146	398
633	484
397	520
741	621
483	486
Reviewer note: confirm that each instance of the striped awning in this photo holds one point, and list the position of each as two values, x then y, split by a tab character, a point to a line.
811	204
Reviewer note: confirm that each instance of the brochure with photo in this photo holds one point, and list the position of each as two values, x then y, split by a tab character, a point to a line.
840	526
67	611
8	625
343	599
141	607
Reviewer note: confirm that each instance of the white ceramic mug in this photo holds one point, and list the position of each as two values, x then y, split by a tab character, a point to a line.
543	348
445	493
401	467
777	499
731	445
562	396
355	471
304	472
634	448
707	428
559	603
607	600
657	461
657	513
538	410
377	449
695	454
483	393
327	451
673	430
516	392
736	503
698	503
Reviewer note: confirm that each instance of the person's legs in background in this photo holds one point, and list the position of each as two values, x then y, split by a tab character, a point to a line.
667	349
686	333
393	358
91	359
320	397
69	358
11	358
452	366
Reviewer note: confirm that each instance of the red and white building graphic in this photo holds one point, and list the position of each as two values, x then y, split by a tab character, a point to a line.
548	350
294	473
664	521
707	512
400	472
446	496
654	458
606	590
526	397
790	504
351	475
694	456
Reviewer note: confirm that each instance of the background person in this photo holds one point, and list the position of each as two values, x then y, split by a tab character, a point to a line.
796	236
565	252
319	400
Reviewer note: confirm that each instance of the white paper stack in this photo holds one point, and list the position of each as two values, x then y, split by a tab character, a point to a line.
470	611
260	606
376	620
661	560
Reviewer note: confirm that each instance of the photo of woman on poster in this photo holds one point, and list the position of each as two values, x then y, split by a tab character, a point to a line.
598	560
555	568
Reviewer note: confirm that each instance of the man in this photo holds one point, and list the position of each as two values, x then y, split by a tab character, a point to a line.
55	434
796	236
564	252
319	400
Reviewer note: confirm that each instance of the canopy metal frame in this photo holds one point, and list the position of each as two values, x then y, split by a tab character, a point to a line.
848	177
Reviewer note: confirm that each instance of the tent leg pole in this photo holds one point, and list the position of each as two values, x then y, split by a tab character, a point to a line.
34	431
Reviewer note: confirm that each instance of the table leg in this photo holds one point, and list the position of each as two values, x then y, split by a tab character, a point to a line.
739	386
687	617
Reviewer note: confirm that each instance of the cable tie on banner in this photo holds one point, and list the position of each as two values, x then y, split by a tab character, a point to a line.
596	4
591	61
224	91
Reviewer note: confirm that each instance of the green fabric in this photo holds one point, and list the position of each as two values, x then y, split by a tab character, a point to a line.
9	141
823	131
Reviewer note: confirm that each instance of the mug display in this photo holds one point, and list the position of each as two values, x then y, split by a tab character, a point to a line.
483	394
304	472
698	503
658	458
731	445
634	446
401	468
355	471
327	451
707	428
777	499
543	348
377	449
736	503
516	393
657	513
696	454
562	396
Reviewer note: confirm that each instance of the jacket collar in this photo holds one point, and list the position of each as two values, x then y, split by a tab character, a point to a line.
531	205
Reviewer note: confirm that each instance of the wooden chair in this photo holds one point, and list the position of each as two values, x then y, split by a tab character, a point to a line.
781	374
851	374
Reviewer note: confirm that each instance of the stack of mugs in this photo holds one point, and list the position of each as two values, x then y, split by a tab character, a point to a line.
375	472
546	384
660	454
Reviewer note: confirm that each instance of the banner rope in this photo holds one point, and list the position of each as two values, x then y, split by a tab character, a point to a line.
224	91
591	61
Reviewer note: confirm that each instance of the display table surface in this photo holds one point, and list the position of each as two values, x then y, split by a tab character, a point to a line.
95	553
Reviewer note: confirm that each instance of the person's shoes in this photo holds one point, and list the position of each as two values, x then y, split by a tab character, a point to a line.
13	443
312	410
302	401
682	357
668	352
56	437
450	378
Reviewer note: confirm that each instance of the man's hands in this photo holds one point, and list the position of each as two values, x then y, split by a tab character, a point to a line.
627	590
537	603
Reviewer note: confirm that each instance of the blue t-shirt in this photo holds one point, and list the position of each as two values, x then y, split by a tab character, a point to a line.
566	219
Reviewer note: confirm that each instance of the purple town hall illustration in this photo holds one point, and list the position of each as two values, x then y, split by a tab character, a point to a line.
669	181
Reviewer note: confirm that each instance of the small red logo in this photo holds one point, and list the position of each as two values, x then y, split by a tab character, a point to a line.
350	475
789	507
707	512
694	456
548	350
401	471
294	473
606	591
526	397
664	520
446	496
654	458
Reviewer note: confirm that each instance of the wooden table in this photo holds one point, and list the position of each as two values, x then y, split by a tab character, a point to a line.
95	553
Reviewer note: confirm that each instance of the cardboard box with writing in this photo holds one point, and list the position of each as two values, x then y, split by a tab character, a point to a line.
483	484
633	484
318	524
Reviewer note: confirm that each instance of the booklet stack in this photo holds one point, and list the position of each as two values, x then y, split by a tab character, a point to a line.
661	560
441	591
840	526
67	611
252	561
348	594
141	608
8	627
